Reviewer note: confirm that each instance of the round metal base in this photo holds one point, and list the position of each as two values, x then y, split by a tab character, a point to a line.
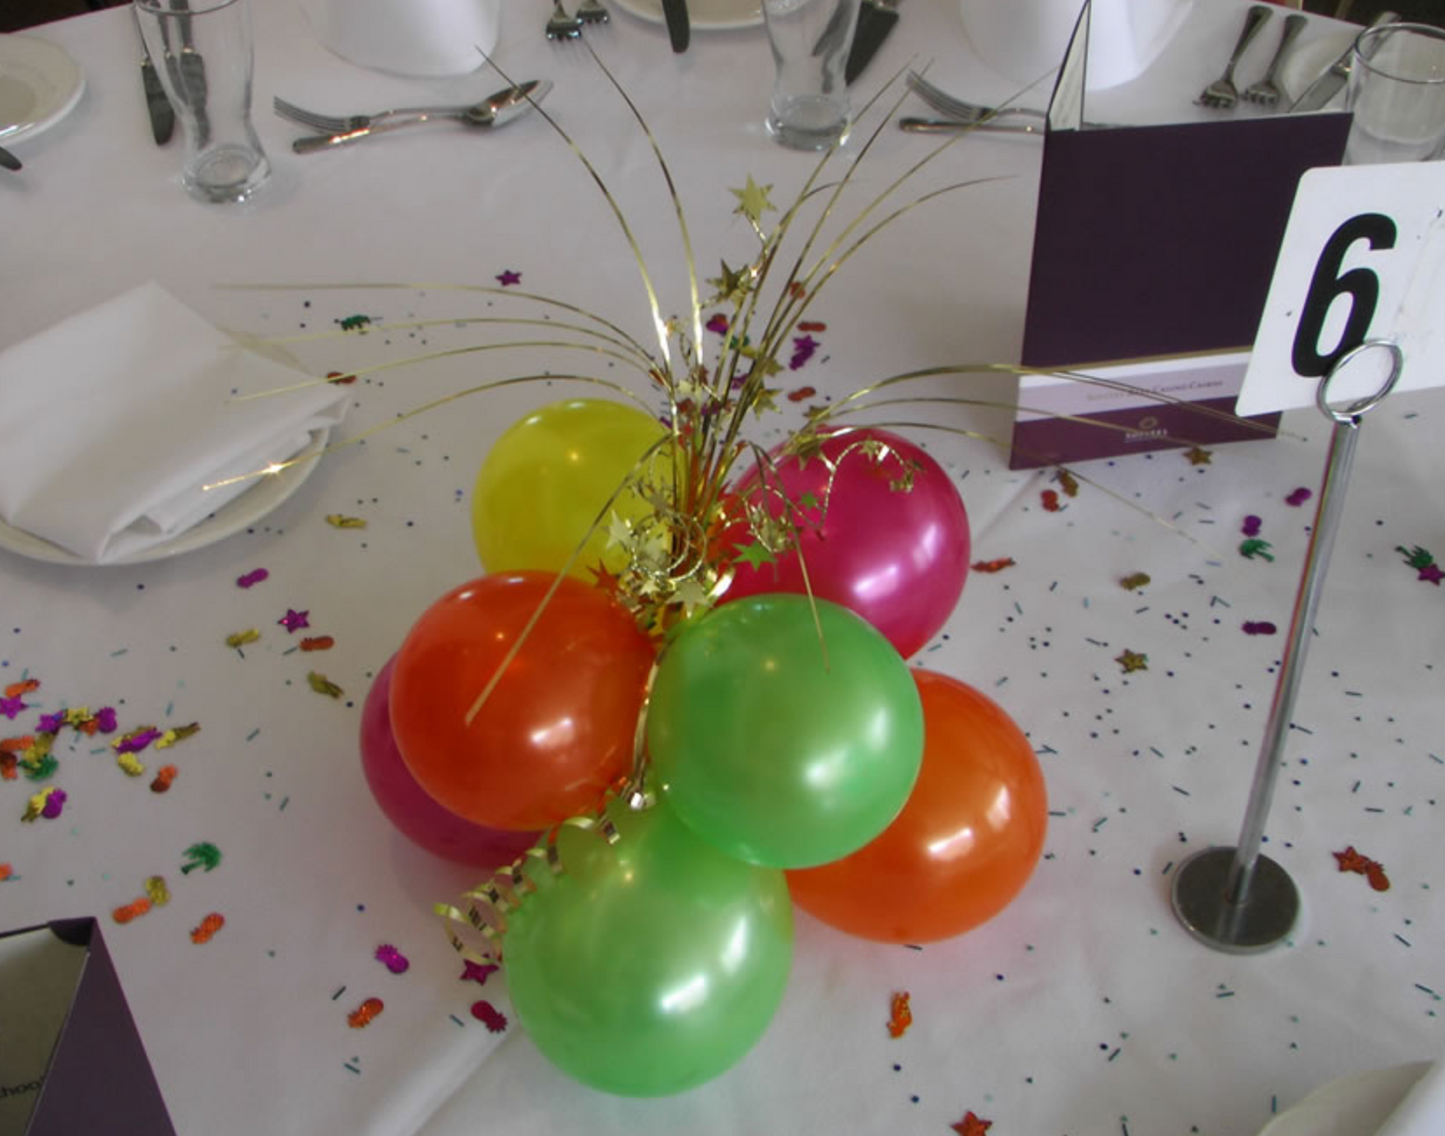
1262	921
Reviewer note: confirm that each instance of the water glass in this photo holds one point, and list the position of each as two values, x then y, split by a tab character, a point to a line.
1397	93
810	41
203	54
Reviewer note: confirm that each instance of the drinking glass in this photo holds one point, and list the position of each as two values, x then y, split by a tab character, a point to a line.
1397	93
203	54
810	41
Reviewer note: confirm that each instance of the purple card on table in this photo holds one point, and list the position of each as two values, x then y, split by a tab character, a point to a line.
71	1060
1153	252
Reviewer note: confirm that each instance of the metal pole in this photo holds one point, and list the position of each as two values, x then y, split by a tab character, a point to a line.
1235	899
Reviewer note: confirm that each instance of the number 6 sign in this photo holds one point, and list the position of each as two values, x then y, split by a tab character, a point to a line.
1363	257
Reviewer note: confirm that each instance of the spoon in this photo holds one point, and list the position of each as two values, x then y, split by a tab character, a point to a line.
497	110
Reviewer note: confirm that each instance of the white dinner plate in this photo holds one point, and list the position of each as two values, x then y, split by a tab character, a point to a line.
1308	62
1349	1106
39	85
238	513
703	14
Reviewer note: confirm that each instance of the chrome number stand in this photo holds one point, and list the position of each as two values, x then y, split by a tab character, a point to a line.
1234	899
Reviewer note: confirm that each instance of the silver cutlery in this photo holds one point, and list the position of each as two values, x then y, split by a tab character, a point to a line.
1266	91
9	160
561	25
1222	93
491	113
158	107
953	107
1319	93
957	125
592	12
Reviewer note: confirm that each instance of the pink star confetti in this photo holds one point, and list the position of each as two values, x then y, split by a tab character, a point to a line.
477	971
508	278
295	620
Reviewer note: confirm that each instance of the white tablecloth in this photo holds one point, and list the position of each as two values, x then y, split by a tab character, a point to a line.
1084	1009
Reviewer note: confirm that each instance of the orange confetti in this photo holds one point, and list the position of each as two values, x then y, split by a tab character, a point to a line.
318	643
812	325
1352	861
900	1015
802	393
796	290
8	763
1050	498
16	689
362	1016
339	377
993	565
1375	873
16	745
164	776
972	1125
6	871
131	910
209	926
1067	482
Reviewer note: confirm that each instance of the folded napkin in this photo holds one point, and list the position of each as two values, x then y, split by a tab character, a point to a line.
1422	1112
113	421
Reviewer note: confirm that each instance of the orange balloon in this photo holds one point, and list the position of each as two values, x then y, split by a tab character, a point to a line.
558	727
965	843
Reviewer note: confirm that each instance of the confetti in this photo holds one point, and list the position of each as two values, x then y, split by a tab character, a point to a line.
1374	872
252	578
203	855
24	686
1198	456
213	923
1067	482
239	639
165	775
972	1125
342	521
47	803
1420	560
718	324
801	393
11	707
509	277
157	891
323	685
1050	499
130	764
1298	497
353	323
132	910
395	961
364	1014
318	643
40	767
177	734
294	620
991	566
804	348
1251	525
477	971
7	872
136	740
1136	580
1260	627
8	763
489	1016
340	378
1255	547
1131	661
900	1015
812	325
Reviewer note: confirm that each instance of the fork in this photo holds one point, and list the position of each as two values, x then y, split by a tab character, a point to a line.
946	104
1222	94
561	25
592	12
1266	92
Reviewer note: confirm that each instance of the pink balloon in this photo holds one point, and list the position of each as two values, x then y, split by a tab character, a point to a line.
896	557
410	808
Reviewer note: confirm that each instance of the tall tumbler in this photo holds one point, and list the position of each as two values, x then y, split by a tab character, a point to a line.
203	54
1397	93
810	41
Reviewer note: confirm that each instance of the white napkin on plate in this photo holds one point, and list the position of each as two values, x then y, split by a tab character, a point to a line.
1422	1112
113	421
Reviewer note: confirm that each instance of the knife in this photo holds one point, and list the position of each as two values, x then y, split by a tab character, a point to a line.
1328	85
163	115
678	29
875	20
9	160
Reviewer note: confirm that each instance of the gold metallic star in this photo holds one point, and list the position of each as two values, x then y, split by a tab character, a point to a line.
1199	456
1132	661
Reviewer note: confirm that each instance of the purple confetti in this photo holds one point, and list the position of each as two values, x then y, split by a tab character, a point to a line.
489	1016
11	706
252	578
804	347
1262	627
1251	526
51	723
718	324
53	804
138	741
295	620
1298	497
477	971
105	720
395	961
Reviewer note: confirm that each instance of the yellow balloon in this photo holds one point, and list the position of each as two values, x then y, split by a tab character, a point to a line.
546	480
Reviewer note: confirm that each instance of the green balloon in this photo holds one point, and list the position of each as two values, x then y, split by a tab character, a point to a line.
649	965
777	747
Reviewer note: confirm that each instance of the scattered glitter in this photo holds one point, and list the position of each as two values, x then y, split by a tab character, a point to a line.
136	740
1423	563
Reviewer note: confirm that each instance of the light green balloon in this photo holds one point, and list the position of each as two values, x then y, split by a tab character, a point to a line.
650	965
777	747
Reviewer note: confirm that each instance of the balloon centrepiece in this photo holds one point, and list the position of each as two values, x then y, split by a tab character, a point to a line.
544	483
413	811
784	741
965	843
893	544
557	729
651	964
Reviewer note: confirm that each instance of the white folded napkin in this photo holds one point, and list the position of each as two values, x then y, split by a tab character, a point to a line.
113	421
1422	1112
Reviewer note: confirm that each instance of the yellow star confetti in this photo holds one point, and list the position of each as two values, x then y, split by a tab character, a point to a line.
1199	456
1132	661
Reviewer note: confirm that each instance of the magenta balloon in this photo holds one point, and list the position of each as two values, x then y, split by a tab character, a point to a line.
410	808
896	557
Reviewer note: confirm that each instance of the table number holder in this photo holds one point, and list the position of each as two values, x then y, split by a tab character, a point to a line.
1236	899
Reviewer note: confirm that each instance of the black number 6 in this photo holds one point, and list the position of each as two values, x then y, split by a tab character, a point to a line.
1360	284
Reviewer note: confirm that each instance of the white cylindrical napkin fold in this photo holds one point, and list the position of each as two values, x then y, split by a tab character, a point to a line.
1422	1112
114	421
423	38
